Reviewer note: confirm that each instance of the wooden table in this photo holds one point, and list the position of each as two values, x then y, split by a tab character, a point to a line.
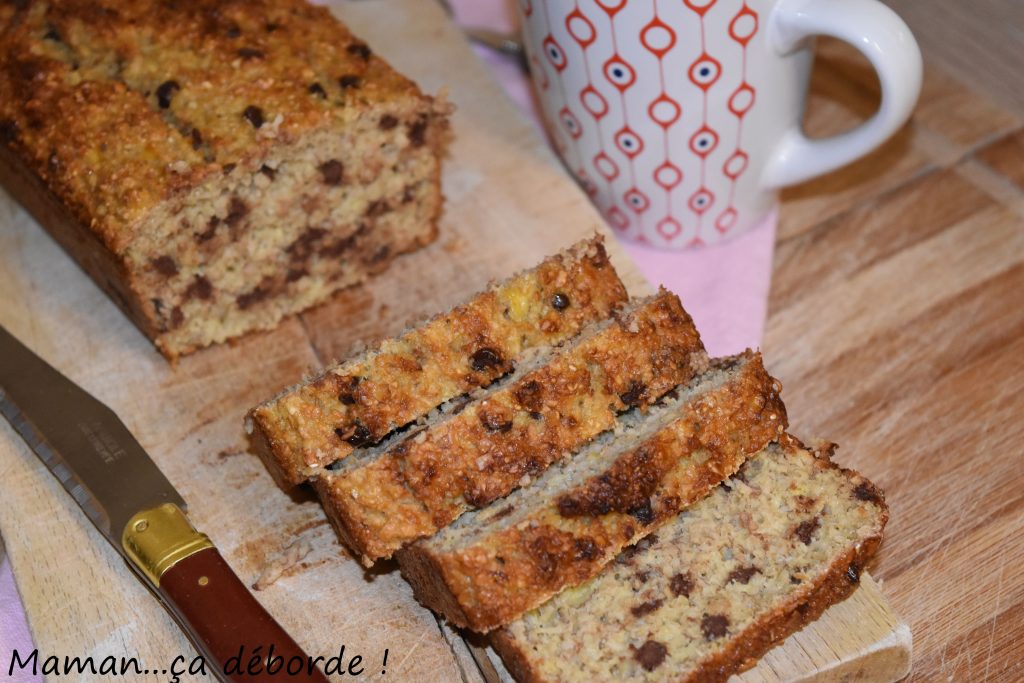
897	320
896	323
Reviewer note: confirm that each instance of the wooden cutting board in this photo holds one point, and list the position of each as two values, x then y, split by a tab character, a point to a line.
509	204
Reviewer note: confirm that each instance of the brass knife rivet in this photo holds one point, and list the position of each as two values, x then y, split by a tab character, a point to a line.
203	581
141	525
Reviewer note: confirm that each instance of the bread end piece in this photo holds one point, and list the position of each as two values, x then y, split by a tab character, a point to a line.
211	197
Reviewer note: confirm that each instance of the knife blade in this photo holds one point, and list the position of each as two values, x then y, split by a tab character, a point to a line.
121	490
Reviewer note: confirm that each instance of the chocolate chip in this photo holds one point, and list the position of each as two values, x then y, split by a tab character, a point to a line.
318	90
559	301
853	574
332	172
199	288
349	81
267	171
681	584
8	131
305	244
357	436
643	513
714	626
251	298
485	358
211	230
237	210
228	168
387	122
493	422
504	512
233	31
795	580
742	574
866	492
52	34
417	132
586	549
632	395
165	91
650	655
530	395
250	53
348	395
380	255
536	415
359	49
805	530
253	115
165	265
377	208
645	608
569	507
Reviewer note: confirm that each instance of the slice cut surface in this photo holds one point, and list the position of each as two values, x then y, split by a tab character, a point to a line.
362	400
766	553
493	564
403	491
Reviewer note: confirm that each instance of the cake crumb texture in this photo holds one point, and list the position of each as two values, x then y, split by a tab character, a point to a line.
709	593
501	439
360	401
496	563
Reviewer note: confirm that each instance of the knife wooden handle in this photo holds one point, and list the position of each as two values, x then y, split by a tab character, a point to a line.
223	618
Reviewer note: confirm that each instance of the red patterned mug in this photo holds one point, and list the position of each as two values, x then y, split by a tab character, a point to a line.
681	118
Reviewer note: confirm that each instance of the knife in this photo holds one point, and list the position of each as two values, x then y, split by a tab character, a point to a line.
97	460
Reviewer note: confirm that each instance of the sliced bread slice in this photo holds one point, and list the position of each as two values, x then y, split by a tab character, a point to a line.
766	553
418	482
362	400
492	565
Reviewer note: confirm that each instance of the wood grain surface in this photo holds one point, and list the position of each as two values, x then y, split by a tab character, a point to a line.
895	324
896	321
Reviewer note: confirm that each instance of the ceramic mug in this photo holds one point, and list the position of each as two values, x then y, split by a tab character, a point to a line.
682	118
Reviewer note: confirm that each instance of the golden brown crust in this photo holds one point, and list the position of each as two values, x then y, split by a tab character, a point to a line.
515	659
130	118
517	431
833	584
568	539
109	272
81	81
746	648
361	401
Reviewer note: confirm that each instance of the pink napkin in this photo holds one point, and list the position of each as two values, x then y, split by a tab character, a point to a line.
14	633
724	287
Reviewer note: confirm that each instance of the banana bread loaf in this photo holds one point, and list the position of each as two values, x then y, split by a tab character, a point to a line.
361	400
766	553
214	165
492	565
418	482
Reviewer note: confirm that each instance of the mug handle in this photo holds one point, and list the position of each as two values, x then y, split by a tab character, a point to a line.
881	36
